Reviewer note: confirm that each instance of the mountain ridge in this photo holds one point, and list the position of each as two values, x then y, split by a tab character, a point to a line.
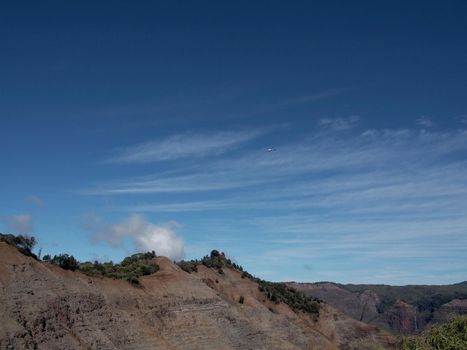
46	307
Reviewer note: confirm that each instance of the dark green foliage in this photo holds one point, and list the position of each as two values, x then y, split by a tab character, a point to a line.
280	292
216	260
449	336
246	274
9	238
276	292
237	267
23	243
46	257
129	260
384	304
133	280
130	269
215	253
65	261
189	266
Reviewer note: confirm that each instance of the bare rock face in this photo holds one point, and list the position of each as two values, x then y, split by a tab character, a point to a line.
449	310
402	318
386	307
45	307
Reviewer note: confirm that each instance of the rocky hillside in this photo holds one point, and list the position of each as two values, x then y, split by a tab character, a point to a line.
399	309
45	307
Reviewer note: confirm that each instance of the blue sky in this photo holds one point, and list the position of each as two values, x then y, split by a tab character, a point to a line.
128	127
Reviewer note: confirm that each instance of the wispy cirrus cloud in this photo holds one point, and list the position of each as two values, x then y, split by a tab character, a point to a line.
305	98
184	145
178	207
364	195
197	182
339	124
320	160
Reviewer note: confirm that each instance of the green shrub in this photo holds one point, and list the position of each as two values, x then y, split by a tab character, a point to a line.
280	292
449	336
65	261
23	243
189	266
133	280
130	269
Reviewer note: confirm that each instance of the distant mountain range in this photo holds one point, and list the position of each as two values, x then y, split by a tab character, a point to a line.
398	309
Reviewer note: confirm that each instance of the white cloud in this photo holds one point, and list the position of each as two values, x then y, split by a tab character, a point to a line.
317	96
182	207
369	133
146	236
21	224
183	146
402	158
173	184
339	124
330	197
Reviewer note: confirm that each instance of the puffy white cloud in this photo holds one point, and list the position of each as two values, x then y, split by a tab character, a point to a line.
146	236
21	224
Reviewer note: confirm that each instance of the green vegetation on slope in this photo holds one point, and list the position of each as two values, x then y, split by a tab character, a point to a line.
65	261
24	244
280	292
215	260
276	292
130	269
449	336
